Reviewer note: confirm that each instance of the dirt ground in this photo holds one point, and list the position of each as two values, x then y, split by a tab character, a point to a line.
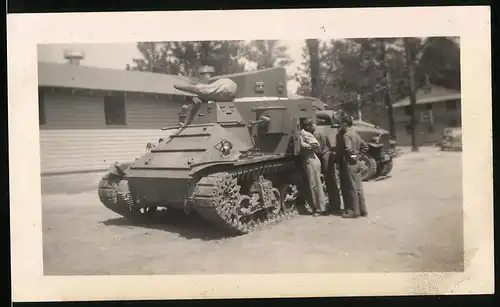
414	224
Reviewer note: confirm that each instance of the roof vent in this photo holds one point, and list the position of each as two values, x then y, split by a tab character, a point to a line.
73	57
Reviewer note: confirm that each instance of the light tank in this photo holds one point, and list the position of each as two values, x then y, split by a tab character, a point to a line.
235	163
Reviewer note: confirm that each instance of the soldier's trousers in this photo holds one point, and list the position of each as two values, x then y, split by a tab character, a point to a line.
312	166
332	187
352	188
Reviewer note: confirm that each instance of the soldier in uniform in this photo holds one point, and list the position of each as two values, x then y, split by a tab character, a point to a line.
349	148
328	166
312	167
221	90
206	72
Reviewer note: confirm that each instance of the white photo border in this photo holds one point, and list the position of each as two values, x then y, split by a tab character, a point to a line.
25	31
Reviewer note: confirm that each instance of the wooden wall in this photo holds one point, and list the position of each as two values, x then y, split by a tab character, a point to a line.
75	137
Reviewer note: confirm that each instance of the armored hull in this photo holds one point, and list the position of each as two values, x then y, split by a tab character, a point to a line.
236	164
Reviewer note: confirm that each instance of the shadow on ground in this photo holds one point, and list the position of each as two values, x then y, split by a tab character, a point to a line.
190	226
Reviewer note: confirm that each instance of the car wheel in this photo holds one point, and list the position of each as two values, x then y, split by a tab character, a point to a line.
368	167
385	168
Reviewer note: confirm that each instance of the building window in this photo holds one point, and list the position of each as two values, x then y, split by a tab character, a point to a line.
408	129
428	106
451	105
407	110
114	110
430	129
41	108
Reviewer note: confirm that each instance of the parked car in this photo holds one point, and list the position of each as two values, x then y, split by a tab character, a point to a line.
452	139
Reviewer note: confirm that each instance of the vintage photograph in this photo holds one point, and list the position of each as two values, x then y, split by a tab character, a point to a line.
190	157
329	155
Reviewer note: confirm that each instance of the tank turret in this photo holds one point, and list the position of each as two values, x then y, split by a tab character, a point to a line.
261	83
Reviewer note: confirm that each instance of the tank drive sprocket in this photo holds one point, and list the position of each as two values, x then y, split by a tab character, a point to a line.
248	197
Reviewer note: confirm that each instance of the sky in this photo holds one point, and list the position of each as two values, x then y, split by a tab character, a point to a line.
117	56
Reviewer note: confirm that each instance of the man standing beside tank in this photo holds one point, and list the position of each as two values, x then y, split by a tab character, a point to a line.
327	156
312	167
349	148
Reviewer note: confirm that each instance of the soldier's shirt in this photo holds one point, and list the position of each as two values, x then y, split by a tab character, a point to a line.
349	143
308	138
224	88
323	142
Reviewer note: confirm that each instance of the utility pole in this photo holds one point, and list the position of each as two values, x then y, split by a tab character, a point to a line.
410	53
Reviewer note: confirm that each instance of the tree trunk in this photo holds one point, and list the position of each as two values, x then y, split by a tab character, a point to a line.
313	47
204	53
388	97
410	60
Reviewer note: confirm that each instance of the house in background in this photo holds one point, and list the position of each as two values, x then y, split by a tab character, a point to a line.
91	117
437	108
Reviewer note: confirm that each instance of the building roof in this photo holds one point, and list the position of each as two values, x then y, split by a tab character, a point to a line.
92	78
430	94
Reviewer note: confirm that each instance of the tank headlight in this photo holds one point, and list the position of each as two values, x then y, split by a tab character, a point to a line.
226	147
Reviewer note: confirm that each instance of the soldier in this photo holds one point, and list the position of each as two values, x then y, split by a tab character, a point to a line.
312	166
221	90
206	73
327	156
349	147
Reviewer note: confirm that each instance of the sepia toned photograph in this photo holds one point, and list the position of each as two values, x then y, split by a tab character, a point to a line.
158	143
310	154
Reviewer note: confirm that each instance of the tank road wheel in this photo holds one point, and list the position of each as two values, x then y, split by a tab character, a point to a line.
244	207
368	167
246	198
275	201
234	209
289	195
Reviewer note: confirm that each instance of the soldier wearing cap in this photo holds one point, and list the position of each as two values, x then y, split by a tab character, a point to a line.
221	90
312	167
349	148
206	72
183	114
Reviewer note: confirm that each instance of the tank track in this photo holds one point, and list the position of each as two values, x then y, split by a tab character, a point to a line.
217	198
118	198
